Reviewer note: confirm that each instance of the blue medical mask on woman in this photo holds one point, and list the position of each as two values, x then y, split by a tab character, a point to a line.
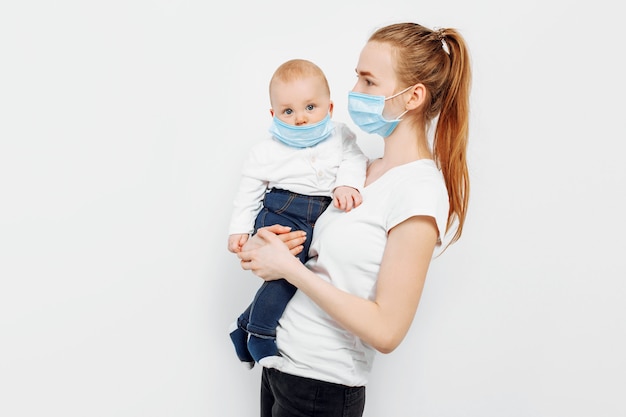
302	136
366	111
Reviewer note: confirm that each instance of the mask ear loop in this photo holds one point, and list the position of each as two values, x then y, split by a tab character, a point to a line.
398	118
397	94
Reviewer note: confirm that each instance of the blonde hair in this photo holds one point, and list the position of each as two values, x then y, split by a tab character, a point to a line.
439	60
295	69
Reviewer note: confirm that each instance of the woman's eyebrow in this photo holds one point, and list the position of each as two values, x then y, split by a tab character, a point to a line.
363	73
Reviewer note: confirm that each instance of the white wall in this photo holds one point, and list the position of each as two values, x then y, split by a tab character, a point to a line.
123	127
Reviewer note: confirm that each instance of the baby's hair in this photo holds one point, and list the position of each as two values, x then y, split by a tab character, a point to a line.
295	69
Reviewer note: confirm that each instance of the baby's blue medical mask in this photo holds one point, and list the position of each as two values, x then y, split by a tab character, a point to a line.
366	111
301	136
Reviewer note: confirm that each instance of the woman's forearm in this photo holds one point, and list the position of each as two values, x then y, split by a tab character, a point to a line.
384	321
361	317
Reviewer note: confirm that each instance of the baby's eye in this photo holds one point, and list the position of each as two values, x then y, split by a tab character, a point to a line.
310	107
288	111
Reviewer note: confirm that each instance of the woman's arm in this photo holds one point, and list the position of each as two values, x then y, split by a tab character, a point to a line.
383	322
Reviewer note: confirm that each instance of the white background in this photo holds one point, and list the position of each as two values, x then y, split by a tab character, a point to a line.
123	128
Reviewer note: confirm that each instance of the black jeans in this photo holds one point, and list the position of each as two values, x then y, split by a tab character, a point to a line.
285	395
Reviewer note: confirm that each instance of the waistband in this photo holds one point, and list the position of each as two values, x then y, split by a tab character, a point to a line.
321	198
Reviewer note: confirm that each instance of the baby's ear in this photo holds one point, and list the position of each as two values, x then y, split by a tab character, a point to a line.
272	112
330	108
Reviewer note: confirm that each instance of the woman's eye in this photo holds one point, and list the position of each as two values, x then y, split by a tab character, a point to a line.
310	107
365	80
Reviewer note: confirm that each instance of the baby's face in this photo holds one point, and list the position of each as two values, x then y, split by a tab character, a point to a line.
300	102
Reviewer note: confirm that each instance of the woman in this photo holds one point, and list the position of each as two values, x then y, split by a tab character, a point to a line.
360	290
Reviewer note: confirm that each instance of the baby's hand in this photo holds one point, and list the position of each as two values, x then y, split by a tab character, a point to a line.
236	242
346	198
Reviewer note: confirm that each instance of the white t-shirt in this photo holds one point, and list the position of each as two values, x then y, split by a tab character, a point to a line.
315	171
347	250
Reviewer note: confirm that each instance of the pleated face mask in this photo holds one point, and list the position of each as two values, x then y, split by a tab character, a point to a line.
301	136
366	111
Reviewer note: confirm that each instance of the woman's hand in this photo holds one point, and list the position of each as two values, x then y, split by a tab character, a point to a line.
272	251
293	240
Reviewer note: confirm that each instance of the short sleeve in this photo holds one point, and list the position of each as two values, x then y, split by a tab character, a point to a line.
425	196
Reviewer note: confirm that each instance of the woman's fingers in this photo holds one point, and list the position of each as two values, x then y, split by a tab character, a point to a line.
293	239
276	229
296	251
245	264
262	252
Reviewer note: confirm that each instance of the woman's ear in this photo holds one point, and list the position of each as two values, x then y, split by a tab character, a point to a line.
418	97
